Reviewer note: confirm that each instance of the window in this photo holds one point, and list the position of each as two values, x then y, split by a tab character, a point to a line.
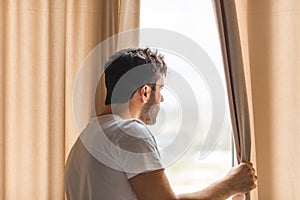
194	19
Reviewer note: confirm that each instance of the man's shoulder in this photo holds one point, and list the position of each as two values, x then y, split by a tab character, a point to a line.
113	124
134	127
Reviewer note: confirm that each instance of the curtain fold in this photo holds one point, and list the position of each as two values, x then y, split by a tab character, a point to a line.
270	42
236	80
273	28
2	169
43	44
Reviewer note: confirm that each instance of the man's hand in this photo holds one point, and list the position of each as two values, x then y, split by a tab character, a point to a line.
242	178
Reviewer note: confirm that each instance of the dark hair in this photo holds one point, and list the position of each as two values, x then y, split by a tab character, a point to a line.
128	70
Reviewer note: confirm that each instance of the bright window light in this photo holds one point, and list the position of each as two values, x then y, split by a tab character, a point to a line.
195	19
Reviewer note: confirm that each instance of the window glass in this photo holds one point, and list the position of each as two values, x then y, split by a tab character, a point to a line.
195	19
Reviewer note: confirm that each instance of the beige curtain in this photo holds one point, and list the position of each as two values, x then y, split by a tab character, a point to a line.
237	83
273	45
270	42
43	43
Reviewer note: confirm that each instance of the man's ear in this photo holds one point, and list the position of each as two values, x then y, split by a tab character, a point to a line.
145	93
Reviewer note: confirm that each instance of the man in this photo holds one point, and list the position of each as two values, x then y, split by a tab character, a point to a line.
116	156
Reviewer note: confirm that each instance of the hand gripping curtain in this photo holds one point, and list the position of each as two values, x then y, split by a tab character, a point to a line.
226	15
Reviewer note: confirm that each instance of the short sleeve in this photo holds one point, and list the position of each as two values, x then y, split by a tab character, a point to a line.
138	154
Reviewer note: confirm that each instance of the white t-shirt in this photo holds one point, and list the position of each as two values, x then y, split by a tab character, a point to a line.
109	151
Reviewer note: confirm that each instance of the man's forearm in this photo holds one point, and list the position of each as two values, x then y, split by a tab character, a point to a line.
216	191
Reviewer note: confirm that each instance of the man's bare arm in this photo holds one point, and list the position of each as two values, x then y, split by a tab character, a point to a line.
155	185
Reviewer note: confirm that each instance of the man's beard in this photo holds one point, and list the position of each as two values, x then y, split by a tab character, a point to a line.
150	111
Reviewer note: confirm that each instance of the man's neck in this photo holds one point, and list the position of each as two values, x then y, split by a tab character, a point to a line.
122	110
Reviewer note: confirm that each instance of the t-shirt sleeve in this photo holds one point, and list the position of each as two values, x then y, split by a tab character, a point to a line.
139	154
143	158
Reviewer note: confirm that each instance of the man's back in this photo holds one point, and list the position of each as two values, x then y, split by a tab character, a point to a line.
99	167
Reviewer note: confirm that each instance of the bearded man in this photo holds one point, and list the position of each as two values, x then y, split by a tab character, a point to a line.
116	156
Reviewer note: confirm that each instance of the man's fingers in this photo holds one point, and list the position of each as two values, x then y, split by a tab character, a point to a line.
250	164
254	186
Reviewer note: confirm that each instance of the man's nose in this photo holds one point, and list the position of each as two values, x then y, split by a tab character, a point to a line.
162	98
